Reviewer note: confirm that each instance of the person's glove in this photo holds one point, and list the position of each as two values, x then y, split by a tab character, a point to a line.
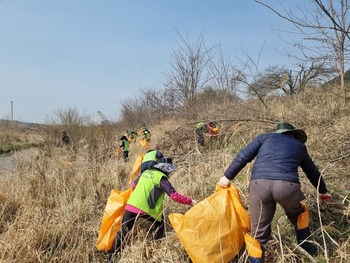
194	202
224	182
325	196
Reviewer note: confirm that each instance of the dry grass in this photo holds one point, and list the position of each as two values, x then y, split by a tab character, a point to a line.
51	205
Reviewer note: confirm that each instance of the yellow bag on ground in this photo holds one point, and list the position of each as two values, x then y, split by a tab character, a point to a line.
213	230
136	170
112	218
144	143
118	153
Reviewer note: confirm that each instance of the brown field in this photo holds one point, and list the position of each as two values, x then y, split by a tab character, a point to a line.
52	198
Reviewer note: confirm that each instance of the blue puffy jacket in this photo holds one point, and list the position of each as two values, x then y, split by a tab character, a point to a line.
278	157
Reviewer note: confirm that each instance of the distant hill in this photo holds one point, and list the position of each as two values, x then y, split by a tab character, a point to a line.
19	123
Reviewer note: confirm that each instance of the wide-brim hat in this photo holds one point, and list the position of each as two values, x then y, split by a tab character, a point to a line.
284	127
166	165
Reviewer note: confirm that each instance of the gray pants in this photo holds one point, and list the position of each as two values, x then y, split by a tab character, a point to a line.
263	196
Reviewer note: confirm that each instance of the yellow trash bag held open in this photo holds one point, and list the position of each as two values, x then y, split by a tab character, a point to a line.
214	229
112	218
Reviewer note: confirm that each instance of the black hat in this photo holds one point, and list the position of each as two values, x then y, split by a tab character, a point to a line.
284	127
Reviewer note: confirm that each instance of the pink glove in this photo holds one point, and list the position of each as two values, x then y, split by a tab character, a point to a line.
325	196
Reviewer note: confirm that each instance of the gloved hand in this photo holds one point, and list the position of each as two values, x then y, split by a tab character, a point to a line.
224	182
194	202
325	196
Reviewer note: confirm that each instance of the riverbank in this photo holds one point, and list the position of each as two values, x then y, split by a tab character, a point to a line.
8	160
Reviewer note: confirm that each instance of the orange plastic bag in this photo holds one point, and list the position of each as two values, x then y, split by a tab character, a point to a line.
214	131
214	229
112	218
136	170
118	153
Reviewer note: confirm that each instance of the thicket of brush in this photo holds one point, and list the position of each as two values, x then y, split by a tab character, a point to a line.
51	206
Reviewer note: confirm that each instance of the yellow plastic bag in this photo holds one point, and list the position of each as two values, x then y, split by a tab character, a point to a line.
136	170
144	143
112	218
214	229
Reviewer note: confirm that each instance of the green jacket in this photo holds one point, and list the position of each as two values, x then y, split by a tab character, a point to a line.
150	156
148	196
147	135
125	145
202	127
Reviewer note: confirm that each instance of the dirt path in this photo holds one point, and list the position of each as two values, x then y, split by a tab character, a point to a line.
7	160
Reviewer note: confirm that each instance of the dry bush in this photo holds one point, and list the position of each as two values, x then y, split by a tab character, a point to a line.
51	205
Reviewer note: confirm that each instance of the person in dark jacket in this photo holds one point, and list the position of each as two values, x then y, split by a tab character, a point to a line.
146	201
65	138
275	180
151	158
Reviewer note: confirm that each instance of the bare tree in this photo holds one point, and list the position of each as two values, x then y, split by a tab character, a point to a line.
245	79
306	75
290	82
325	25
222	72
70	117
150	106
188	70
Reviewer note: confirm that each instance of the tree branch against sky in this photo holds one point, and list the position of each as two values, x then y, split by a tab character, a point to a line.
324	30
188	69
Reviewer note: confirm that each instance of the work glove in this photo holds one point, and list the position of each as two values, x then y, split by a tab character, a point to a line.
194	202
325	196
224	182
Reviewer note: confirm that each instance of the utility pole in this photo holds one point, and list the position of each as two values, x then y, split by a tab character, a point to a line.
11	110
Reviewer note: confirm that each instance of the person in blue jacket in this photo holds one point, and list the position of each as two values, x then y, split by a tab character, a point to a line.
275	179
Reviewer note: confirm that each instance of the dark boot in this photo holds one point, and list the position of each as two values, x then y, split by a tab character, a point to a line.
302	236
256	260
110	258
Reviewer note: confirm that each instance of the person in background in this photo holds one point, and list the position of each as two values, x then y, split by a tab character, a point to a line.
65	138
145	133
124	146
275	180
151	158
146	201
133	136
202	128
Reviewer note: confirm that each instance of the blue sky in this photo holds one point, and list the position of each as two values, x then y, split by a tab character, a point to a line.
92	54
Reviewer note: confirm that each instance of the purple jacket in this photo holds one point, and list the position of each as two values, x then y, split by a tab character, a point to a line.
278	157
